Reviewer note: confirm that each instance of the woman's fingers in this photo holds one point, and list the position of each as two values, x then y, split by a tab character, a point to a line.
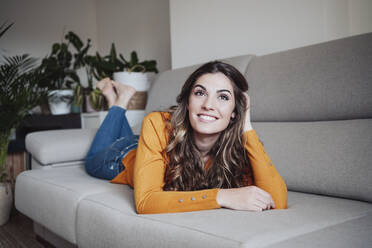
260	205
265	199
249	198
263	203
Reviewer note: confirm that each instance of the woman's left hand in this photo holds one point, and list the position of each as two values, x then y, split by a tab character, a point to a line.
247	122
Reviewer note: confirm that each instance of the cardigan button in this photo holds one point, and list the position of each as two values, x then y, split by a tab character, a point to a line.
193	198
180	200
204	196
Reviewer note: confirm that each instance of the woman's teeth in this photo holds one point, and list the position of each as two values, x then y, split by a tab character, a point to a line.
207	118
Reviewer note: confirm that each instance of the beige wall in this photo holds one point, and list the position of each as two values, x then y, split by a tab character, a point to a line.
141	25
40	23
182	32
212	29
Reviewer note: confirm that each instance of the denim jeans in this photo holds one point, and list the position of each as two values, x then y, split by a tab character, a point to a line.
113	140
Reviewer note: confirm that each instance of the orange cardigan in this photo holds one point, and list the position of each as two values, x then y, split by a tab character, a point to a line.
145	169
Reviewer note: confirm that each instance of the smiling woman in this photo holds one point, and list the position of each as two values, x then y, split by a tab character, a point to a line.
201	154
211	105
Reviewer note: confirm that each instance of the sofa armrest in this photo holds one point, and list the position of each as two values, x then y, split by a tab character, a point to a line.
59	146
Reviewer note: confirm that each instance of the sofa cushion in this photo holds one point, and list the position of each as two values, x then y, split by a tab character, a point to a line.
110	220
327	81
326	157
351	233
59	146
50	196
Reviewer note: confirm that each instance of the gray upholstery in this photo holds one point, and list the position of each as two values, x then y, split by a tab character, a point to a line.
352	233
72	145
328	81
51	196
312	108
325	157
114	216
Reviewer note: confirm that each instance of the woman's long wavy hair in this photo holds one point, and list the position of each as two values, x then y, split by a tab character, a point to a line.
230	167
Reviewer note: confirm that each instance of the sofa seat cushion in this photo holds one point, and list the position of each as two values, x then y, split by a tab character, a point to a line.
50	196
110	220
353	233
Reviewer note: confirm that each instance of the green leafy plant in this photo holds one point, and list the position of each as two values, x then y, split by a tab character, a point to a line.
78	95
106	66
61	65
83	60
96	99
5	27
59	70
20	92
133	65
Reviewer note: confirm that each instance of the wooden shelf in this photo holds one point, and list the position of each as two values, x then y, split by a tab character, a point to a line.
35	123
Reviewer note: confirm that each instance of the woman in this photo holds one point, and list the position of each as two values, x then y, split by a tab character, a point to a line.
202	154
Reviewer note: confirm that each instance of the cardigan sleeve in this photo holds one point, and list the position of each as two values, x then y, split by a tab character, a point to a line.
265	175
149	173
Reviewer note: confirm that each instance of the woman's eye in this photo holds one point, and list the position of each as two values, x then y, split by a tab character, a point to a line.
224	97
199	93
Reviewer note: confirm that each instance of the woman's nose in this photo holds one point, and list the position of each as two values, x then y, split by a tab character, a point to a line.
208	103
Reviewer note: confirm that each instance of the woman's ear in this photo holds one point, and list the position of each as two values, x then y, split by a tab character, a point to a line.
233	115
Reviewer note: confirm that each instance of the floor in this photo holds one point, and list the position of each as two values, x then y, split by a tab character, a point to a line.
18	232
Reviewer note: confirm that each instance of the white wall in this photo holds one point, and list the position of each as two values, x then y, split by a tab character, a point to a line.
141	25
212	29
199	30
40	23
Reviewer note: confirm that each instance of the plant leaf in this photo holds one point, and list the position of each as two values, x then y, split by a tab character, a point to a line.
4	28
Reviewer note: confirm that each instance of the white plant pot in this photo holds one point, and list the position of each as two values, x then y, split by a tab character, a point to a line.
141	82
60	107
6	200
138	80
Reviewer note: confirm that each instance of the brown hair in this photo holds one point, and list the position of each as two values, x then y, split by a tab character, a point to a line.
230	167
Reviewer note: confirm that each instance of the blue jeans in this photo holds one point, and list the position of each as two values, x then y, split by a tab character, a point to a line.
113	140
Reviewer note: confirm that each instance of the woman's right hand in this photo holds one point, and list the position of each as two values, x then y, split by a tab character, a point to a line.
249	198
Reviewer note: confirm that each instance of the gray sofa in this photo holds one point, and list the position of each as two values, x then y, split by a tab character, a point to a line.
312	108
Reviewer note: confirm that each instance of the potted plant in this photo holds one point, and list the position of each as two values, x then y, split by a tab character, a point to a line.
88	96
59	69
131	72
20	92
93	99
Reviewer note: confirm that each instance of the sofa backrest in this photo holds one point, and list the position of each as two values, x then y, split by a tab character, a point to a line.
327	81
312	108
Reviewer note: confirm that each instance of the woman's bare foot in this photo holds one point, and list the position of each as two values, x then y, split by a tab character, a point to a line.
124	94
107	88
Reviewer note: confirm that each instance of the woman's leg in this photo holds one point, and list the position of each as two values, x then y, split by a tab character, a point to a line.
114	126
113	140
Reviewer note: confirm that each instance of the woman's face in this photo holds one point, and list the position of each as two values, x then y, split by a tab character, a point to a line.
211	104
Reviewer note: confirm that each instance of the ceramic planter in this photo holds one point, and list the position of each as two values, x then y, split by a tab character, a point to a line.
141	82
60	101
